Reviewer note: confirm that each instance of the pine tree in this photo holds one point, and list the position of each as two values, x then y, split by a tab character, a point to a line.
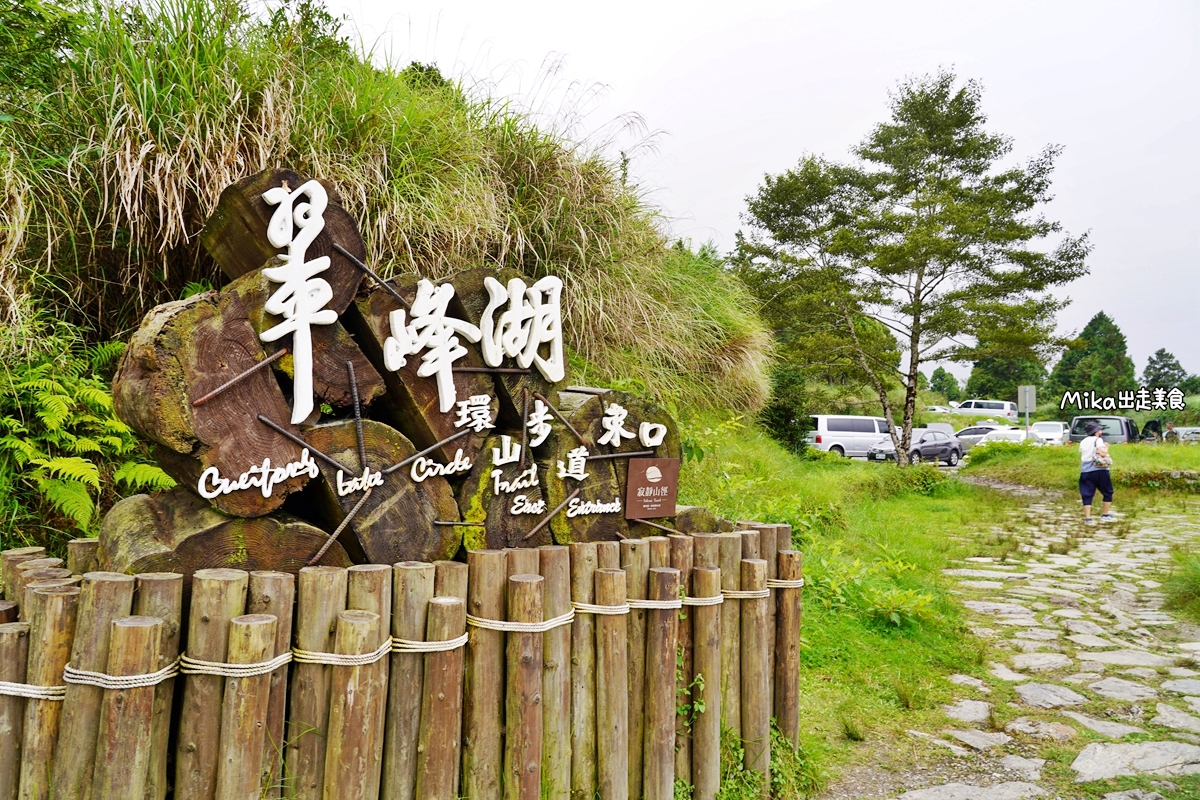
1163	369
1098	361
998	378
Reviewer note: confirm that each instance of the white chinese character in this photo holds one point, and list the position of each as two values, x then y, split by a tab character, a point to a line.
1125	400
576	461
475	412
614	419
1160	398
1143	399
538	423
431	330
301	298
652	434
533	318
506	453
1175	399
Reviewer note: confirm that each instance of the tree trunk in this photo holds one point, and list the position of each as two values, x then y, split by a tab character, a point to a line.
396	522
176	531
478	501
412	403
183	351
332	347
236	233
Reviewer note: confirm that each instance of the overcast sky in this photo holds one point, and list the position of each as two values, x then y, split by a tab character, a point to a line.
730	91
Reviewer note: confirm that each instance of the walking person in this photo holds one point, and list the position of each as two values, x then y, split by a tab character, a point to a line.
1094	464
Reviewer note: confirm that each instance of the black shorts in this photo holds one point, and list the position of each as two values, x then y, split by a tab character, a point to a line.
1090	482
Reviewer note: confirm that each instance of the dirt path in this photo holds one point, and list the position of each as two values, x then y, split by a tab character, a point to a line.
1092	689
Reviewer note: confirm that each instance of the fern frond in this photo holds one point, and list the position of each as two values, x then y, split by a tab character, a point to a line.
143	476
71	498
54	409
21	448
95	396
83	444
71	468
104	354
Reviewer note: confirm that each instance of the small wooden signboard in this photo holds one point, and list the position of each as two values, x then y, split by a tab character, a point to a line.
653	487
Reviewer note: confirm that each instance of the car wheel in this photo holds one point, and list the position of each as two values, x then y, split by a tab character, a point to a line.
953	459
838	451
914	457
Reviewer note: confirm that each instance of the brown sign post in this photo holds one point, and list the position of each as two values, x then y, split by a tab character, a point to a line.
653	487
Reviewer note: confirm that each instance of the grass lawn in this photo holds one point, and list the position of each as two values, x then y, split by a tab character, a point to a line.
881	630
1134	465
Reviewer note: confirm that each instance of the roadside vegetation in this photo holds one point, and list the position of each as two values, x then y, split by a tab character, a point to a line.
881	628
1148	466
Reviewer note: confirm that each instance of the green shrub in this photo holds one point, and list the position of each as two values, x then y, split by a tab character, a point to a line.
1183	584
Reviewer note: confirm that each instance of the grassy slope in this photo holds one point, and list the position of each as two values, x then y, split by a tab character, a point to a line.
873	546
1058	467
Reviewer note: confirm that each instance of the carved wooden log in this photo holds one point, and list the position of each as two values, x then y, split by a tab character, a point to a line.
332	347
698	519
396	522
274	593
123	747
160	594
472	298
412	403
176	531
51	628
182	351
520	489
236	233
14	651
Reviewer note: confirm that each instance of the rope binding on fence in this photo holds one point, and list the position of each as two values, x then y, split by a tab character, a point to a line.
196	666
31	692
342	659
779	583
746	594
656	605
522	627
102	680
715	600
592	608
415	646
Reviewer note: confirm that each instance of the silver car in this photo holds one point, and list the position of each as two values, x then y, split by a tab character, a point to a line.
969	437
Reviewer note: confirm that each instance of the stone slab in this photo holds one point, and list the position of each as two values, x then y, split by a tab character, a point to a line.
1090	640
980	740
1172	717
1121	689
1055	731
1028	768
1113	730
1041	662
1010	790
1099	761
1185	686
1049	695
1005	674
1132	658
972	682
969	711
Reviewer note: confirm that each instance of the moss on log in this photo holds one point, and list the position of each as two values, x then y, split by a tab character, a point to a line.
478	501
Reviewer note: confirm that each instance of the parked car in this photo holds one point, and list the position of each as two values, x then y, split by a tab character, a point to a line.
1051	432
989	408
969	437
845	435
1010	435
926	445
939	409
1117	430
944	427
1190	435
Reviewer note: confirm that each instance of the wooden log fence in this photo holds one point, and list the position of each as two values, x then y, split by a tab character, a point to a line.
602	669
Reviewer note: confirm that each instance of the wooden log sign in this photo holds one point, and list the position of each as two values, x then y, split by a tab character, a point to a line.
313	412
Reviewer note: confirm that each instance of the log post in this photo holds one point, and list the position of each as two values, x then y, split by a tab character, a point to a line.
357	699
25	571
756	713
244	709
707	550
769	549
706	723
787	652
413	582
608	555
635	560
274	593
523	707
612	689
682	557
555	569
441	703
9	610
51	616
42	578
660	551
731	633
662	637
104	597
160	594
450	579
522	561
218	595
369	588
81	555
483	699
583	674
122	748
751	543
14	652
321	596
9	559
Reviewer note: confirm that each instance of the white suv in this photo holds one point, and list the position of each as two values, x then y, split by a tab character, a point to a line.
846	435
988	408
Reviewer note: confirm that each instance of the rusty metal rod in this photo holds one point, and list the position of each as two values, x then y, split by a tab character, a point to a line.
358	428
430	449
337	532
289	435
451	524
353	259
630	454
283	351
524	423
561	418
546	519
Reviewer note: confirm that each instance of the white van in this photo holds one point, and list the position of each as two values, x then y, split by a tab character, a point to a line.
845	435
1000	409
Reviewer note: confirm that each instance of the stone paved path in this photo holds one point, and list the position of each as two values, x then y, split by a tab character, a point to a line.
1097	665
